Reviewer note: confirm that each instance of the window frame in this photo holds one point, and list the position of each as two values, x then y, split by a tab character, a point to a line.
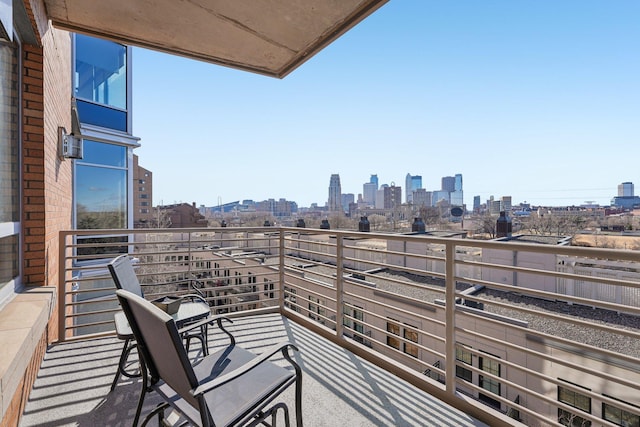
9	229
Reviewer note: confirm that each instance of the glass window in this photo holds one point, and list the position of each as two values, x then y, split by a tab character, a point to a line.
394	328
101	71
9	163
577	400
463	356
103	154
101	186
411	334
620	416
493	367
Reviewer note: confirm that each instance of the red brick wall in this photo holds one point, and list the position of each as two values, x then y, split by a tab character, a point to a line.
47	184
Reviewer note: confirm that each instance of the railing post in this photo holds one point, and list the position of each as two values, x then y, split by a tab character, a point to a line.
281	270
450	312
62	276
339	287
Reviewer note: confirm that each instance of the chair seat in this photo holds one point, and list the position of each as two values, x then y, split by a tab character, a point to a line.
235	400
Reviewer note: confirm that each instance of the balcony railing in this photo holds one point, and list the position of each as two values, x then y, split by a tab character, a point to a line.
543	334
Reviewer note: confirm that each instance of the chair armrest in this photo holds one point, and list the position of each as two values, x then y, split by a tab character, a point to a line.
247	367
194	297
209	321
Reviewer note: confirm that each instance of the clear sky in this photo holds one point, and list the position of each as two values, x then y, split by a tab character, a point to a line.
539	100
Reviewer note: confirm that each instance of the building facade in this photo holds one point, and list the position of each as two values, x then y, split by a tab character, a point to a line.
335	193
142	195
412	183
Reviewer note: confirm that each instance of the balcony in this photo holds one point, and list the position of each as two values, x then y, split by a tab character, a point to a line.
393	329
339	388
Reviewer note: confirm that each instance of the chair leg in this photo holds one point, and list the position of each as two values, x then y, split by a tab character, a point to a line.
124	355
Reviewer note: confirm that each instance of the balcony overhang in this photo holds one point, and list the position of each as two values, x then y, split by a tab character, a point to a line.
271	37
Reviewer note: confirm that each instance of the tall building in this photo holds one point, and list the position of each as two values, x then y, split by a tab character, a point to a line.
448	184
389	197
142	195
412	183
346	200
476	204
456	196
335	193
439	197
625	189
505	204
422	197
369	190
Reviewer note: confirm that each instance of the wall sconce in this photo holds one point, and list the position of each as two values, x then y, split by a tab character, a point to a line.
71	144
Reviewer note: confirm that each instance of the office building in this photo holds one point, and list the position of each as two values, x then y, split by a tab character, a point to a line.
625	189
448	184
335	194
422	197
142	195
346	200
369	191
412	183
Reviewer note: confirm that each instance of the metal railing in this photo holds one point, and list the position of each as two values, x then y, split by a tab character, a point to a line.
541	334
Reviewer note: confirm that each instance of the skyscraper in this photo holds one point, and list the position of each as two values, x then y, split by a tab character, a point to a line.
412	183
456	196
448	184
335	193
369	190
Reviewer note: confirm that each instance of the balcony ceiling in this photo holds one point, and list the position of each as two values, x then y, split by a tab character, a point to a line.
271	37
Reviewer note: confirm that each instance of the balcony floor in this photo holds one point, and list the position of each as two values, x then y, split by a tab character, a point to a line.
339	389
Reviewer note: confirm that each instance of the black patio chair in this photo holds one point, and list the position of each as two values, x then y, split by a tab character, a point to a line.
230	387
196	308
193	307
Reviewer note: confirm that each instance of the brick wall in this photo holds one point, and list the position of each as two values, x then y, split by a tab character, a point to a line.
47	185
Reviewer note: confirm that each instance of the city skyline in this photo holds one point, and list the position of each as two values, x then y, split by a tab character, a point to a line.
539	101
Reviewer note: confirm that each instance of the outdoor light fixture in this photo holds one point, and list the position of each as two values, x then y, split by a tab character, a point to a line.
71	144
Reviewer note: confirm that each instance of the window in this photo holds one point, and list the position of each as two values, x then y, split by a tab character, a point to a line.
493	367
466	357
141	181
144	203
100	82
577	400
394	328
144	196
101	186
620	416
290	298
9	168
316	309
354	312
408	332
268	288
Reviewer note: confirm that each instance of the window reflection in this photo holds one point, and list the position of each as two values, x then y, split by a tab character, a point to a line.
9	165
104	154
101	71
101	186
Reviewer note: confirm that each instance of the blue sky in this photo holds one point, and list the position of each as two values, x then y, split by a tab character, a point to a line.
539	100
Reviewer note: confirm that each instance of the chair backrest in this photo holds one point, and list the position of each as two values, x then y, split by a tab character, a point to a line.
160	344
124	276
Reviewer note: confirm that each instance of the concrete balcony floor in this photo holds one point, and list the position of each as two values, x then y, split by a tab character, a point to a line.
339	389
